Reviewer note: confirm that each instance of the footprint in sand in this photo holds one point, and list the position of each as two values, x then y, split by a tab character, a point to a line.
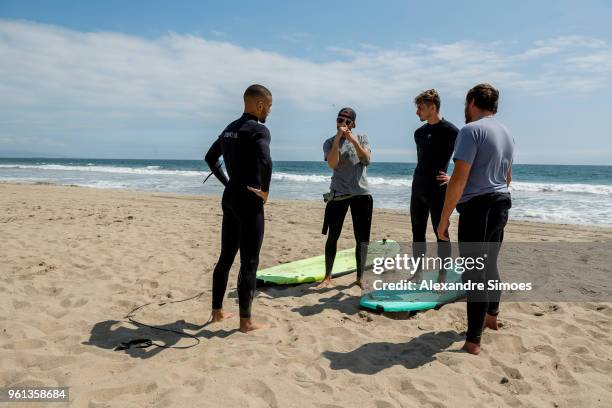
80	302
17	304
260	389
511	372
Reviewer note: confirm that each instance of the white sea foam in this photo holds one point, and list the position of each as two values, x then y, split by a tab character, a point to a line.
302	178
598	189
318	178
105	184
150	170
535	187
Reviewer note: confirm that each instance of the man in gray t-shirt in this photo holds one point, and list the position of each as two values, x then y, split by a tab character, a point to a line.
348	155
487	146
349	176
479	189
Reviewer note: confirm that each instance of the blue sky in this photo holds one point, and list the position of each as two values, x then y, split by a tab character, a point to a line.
153	79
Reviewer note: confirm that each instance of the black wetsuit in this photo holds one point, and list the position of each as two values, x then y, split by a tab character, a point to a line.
245	146
482	220
361	212
435	144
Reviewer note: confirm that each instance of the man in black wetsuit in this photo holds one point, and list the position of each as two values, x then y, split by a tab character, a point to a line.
435	141
245	146
479	189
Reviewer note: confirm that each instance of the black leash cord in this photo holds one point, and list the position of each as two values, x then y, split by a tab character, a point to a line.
136	322
211	173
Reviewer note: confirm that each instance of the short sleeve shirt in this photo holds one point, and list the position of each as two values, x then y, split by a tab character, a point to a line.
349	176
488	146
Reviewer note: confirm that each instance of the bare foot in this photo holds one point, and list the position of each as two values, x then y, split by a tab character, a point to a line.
491	322
358	283
219	315
471	348
247	325
326	282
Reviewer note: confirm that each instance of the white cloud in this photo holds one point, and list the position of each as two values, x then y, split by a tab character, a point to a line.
51	75
563	44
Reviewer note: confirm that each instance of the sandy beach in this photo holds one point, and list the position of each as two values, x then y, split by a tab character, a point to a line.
74	261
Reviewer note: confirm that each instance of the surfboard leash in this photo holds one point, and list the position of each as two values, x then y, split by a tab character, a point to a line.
144	342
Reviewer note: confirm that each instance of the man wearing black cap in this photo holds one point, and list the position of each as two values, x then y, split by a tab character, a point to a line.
348	155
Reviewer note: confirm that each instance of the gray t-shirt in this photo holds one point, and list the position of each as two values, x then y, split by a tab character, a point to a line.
488	146
349	176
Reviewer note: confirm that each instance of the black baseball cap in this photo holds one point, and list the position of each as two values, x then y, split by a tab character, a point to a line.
348	113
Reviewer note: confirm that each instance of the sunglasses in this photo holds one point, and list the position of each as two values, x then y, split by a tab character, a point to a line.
340	120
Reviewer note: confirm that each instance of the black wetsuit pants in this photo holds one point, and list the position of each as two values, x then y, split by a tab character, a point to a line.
242	228
361	213
482	220
427	199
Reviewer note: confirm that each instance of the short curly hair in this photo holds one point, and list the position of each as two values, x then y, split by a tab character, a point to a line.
428	97
485	97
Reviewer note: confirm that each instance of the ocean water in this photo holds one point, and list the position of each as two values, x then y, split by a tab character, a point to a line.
546	193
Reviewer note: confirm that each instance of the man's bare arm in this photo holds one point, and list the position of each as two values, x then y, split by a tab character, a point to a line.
454	191
509	176
363	153
333	156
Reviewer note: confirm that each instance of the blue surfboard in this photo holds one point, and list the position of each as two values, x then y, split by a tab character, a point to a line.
412	300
